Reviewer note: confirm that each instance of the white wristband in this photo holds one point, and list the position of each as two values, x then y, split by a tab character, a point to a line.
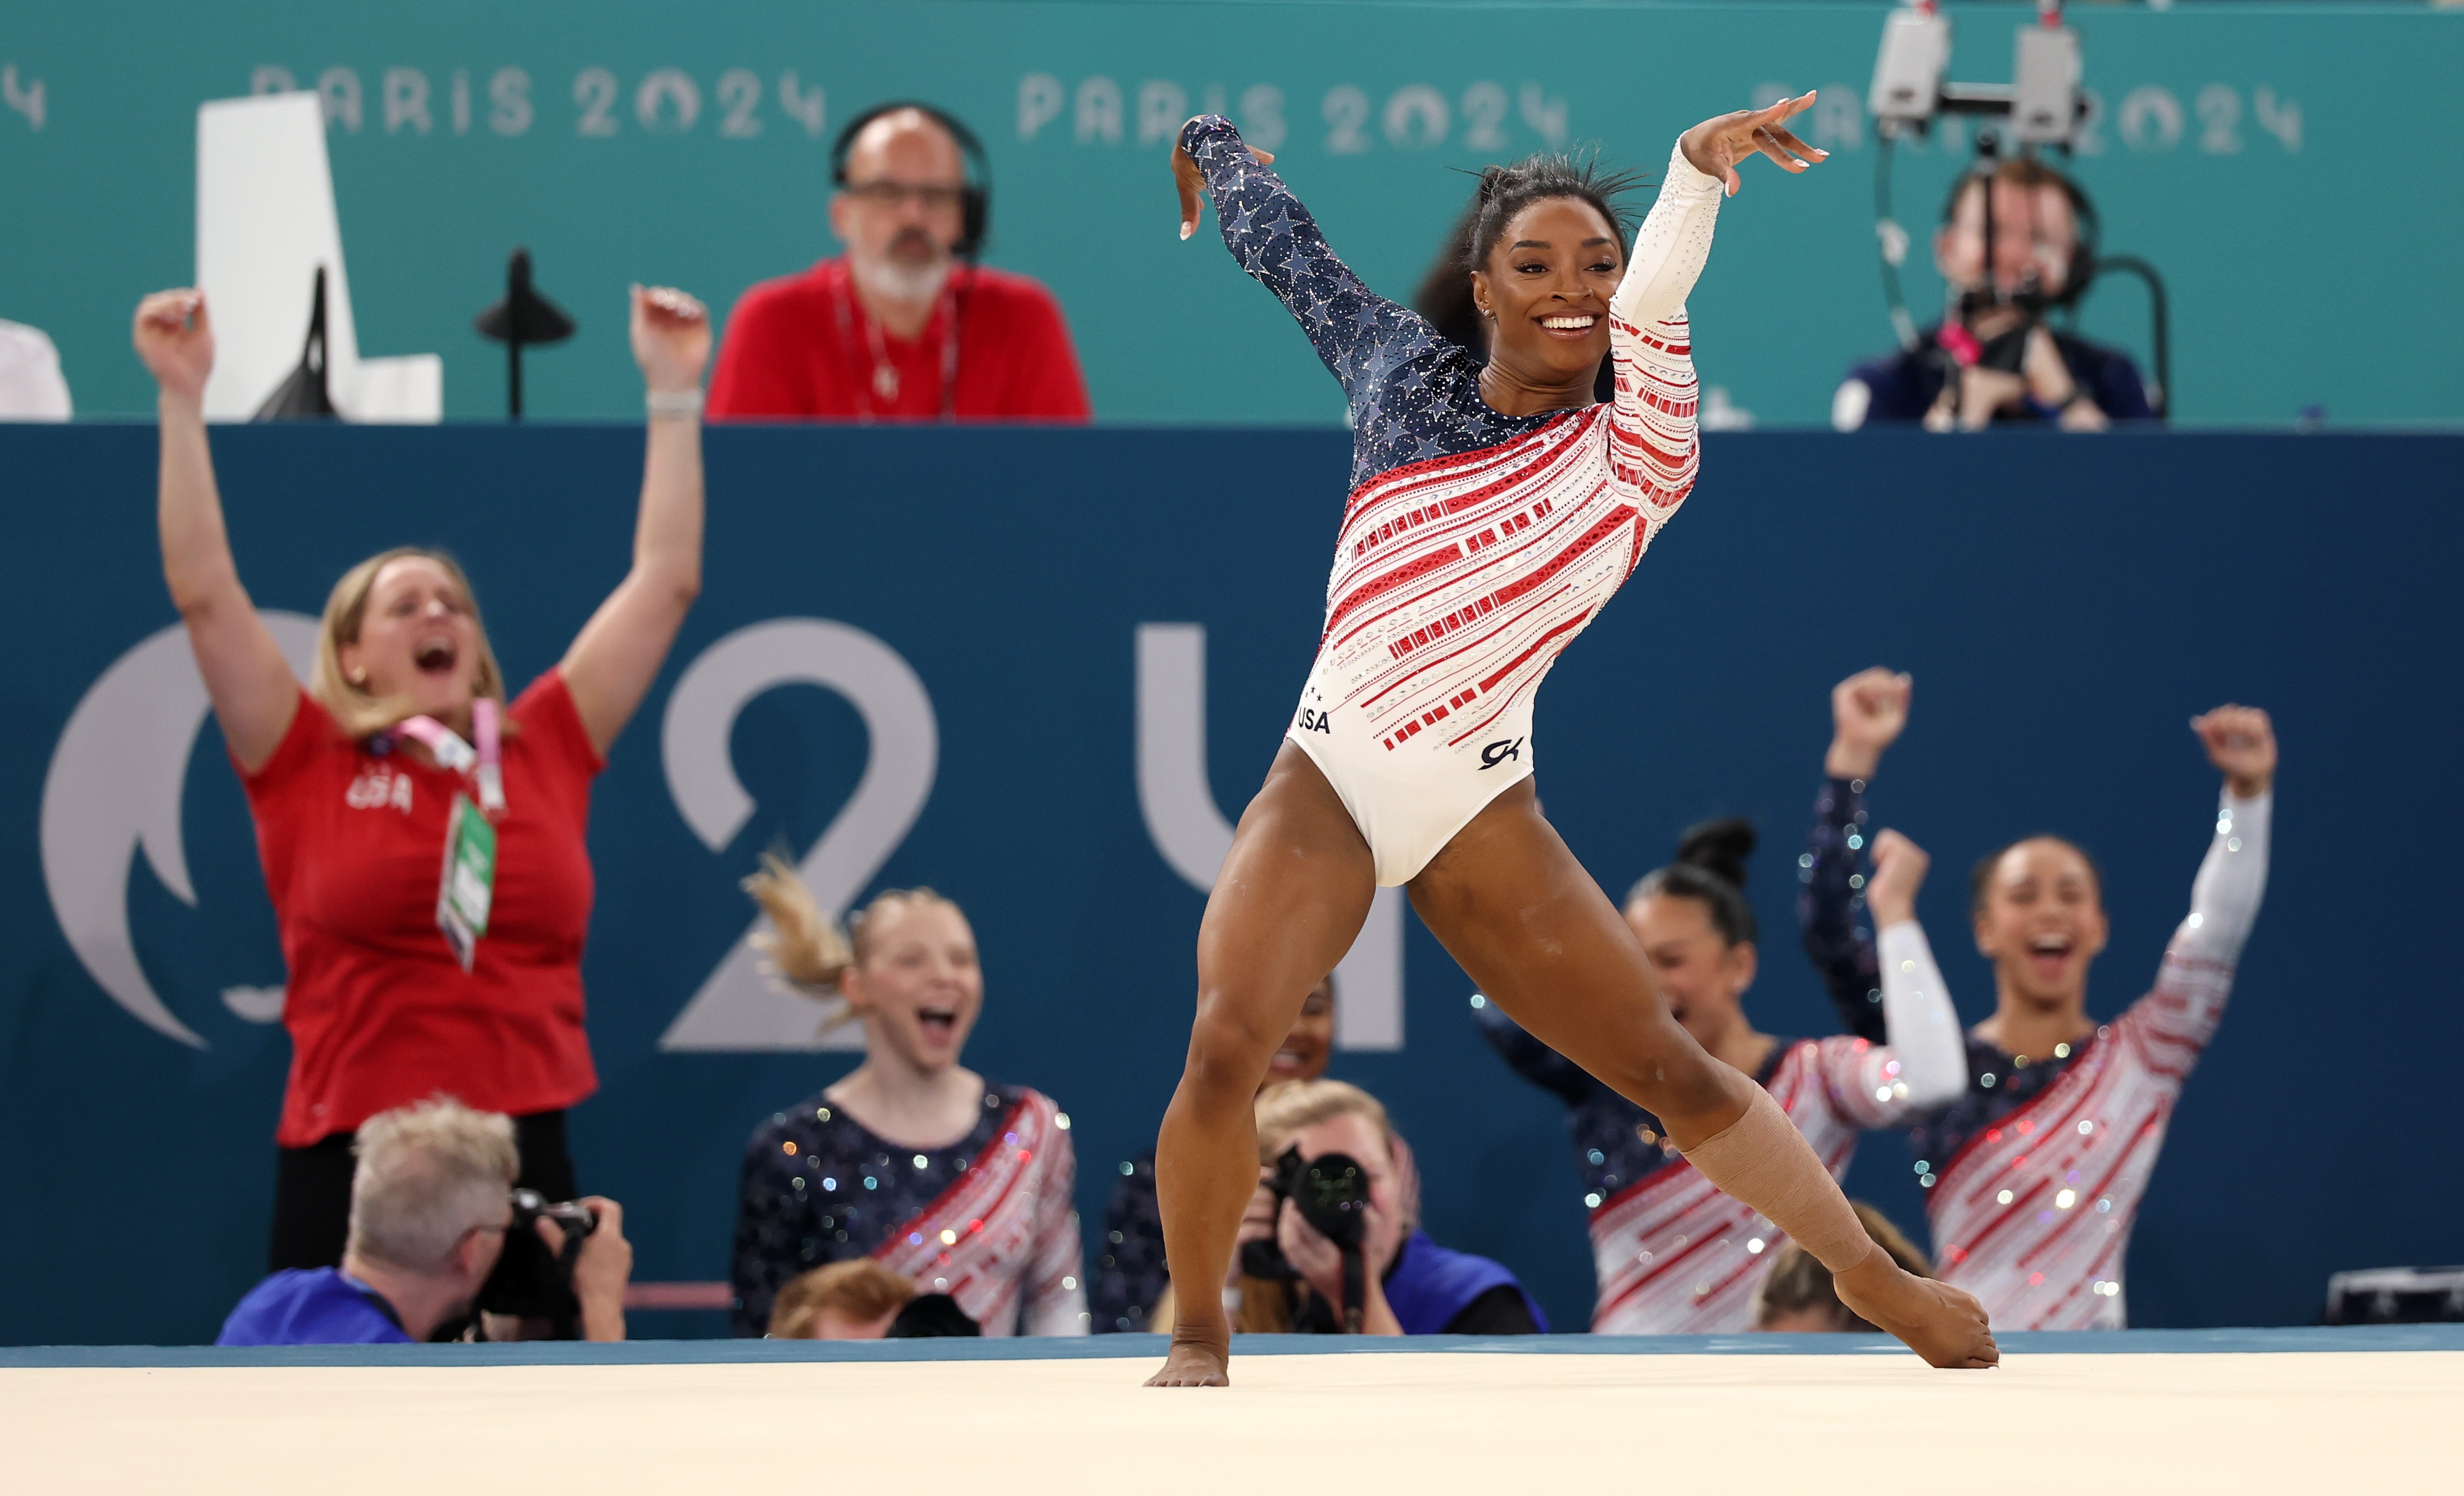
674	402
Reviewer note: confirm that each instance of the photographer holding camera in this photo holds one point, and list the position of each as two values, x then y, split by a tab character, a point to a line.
1331	1241
437	1234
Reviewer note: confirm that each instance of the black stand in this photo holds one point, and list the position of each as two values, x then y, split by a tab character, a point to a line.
1356	1287
305	395
523	316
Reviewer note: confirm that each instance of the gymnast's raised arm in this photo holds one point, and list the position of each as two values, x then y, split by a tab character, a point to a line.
1274	239
1656	448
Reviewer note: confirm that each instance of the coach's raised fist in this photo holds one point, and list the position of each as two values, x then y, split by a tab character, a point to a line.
176	340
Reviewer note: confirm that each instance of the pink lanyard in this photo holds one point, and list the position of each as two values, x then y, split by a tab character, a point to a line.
452	753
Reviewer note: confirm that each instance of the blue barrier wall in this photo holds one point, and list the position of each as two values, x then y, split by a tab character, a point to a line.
631	140
2064	604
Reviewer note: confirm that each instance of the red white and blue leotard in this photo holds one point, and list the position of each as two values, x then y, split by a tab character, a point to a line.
2032	1211
1476	544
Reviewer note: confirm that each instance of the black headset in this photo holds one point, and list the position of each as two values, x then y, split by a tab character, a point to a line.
974	198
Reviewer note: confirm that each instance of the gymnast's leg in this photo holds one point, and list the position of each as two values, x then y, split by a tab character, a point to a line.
1292	894
1520	914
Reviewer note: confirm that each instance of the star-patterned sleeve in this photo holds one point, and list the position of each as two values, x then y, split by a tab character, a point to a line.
1361	335
1831	911
1535	1061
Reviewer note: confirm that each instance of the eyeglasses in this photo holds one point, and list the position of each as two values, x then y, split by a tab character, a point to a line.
891	194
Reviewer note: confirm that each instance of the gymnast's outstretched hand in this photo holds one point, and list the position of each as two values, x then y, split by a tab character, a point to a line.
1718	143
1192	182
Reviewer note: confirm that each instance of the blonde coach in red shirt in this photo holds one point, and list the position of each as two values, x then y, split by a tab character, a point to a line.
906	326
366	784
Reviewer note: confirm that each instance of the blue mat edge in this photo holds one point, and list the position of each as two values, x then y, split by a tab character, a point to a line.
2359	1338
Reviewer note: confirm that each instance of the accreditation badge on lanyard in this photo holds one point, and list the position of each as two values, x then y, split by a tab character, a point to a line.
467	888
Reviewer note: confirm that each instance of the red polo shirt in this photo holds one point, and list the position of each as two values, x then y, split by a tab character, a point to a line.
379	1012
802	348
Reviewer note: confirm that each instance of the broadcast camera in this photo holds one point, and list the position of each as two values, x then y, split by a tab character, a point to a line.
2042	108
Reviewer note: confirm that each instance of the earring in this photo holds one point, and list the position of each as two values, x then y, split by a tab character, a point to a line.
359	677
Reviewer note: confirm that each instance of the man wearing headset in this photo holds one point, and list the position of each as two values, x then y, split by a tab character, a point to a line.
2010	365
906	325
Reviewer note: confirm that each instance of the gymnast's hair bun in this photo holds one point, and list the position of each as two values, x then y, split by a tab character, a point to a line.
1719	847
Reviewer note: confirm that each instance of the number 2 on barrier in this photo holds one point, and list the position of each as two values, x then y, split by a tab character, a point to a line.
737	1007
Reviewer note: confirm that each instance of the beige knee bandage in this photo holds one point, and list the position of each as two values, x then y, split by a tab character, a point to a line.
1762	1160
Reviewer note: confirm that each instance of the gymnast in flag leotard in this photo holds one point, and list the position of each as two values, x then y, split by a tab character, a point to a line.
1494	509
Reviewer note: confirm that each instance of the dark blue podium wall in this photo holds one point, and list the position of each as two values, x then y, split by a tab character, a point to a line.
2065	604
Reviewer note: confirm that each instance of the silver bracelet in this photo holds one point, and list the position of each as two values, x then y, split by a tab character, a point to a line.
673	402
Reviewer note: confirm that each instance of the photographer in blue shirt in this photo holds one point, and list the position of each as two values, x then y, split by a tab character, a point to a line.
431	1206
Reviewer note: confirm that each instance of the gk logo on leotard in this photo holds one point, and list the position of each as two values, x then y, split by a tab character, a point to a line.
1499	751
1313	720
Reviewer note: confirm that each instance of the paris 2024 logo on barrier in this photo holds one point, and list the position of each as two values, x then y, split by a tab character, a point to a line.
117	773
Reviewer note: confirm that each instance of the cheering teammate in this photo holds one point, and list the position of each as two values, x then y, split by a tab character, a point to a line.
2044	1157
1494	509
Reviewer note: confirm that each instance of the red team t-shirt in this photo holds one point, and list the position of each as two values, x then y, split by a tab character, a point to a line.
802	348
379	1012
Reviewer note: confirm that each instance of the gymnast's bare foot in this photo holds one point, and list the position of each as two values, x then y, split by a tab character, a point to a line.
1198	1358
1943	1323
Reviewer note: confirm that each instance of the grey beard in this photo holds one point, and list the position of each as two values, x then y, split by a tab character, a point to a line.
887	280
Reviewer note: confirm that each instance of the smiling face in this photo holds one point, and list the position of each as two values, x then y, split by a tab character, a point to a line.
2040	922
1701	976
418	642
917	984
1546	288
1305	1050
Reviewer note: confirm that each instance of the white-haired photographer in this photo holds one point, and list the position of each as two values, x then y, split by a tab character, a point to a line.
431	1205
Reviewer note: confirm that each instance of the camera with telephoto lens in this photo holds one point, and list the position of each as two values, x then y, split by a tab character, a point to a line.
1331	1192
532	1283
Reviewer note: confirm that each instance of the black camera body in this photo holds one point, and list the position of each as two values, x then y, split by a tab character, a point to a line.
1331	1194
530	1282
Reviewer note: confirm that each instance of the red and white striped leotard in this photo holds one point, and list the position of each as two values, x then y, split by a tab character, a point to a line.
1476	546
1676	1257
1673	1255
2033	1213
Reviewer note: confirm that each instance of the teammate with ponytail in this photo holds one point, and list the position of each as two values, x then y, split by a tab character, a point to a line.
956	1183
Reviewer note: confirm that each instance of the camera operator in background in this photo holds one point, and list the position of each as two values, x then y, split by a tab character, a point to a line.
2010	365
1292	1273
431	1207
